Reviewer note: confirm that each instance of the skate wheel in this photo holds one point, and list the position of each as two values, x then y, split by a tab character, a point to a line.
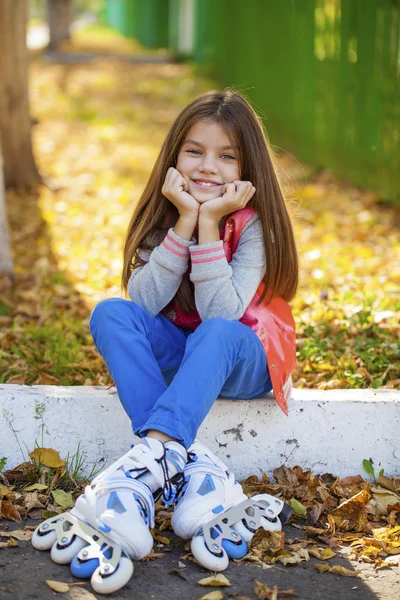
83	569
63	555
43	540
213	562
235	550
107	584
245	533
268	525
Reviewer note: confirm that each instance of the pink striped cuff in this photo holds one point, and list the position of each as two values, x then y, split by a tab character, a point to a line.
219	256
208	251
172	246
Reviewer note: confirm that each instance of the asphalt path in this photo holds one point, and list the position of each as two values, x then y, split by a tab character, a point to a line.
24	571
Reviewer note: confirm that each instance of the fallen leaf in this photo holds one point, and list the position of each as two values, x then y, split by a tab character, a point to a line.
217	580
179	573
63	499
298	508
35	486
47	457
351	515
215	595
46	379
22	536
57	586
322	553
9	511
162	539
322	568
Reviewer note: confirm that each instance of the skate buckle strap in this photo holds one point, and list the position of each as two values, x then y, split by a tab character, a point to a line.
204	467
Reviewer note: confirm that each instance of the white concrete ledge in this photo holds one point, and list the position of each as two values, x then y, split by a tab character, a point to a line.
326	431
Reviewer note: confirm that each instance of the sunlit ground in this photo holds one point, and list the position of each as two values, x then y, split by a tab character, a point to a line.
100	128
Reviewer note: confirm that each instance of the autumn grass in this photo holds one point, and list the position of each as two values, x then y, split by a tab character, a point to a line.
100	126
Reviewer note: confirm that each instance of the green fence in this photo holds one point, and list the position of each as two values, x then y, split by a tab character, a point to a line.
325	75
145	20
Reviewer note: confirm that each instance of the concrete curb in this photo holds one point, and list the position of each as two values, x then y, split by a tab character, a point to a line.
326	431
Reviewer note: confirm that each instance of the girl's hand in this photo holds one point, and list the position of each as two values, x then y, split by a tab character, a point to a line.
237	195
175	190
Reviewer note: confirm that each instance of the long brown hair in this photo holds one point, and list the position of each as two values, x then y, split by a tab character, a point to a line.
148	226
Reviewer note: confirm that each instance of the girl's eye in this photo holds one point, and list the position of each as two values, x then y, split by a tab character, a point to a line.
197	151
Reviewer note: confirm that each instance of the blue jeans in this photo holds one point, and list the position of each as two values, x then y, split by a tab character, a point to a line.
168	377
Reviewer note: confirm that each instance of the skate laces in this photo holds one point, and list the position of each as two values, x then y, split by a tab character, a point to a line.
169	489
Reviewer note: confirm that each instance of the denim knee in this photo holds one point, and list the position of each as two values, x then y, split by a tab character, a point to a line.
108	310
220	326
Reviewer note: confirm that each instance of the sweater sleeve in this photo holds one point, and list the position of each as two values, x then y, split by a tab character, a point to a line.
225	289
156	283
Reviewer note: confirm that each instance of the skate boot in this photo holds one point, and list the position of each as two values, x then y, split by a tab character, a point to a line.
212	509
110	523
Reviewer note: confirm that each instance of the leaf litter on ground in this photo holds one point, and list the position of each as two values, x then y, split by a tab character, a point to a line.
98	130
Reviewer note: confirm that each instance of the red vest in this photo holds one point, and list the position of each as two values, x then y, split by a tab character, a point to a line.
274	324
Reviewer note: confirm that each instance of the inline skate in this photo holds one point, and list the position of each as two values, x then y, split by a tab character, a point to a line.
212	509
110	523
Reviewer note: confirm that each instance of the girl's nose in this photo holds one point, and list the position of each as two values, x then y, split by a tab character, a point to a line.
208	164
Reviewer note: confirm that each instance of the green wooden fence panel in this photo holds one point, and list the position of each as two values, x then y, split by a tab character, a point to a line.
323	74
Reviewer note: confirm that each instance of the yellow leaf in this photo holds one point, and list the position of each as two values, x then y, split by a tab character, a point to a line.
217	580
4	491
324	367
298	508
216	595
57	586
326	553
12	543
63	498
342	571
321	568
162	539
47	457
35	486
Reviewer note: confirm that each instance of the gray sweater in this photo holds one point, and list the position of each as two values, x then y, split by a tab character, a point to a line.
222	289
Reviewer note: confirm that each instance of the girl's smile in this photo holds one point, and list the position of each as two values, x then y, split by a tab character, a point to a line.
207	160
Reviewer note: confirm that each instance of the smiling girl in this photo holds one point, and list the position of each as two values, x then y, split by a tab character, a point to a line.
210	264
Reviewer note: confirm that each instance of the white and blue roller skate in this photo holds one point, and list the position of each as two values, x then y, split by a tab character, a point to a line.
110	523
212	509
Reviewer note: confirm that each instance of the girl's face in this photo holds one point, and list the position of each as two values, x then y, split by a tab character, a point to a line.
207	160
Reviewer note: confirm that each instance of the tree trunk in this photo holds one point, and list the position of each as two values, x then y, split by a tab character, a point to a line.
59	16
6	266
15	124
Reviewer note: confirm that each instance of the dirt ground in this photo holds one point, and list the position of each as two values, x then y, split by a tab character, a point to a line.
24	570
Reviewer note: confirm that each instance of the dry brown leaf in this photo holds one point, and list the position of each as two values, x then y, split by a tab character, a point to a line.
9	511
351	515
216	580
21	535
17	379
177	572
295	557
263	592
154	556
46	379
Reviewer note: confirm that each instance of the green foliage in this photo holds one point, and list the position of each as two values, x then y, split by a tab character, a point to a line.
368	467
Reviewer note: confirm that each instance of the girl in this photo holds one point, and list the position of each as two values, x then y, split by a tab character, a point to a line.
210	265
